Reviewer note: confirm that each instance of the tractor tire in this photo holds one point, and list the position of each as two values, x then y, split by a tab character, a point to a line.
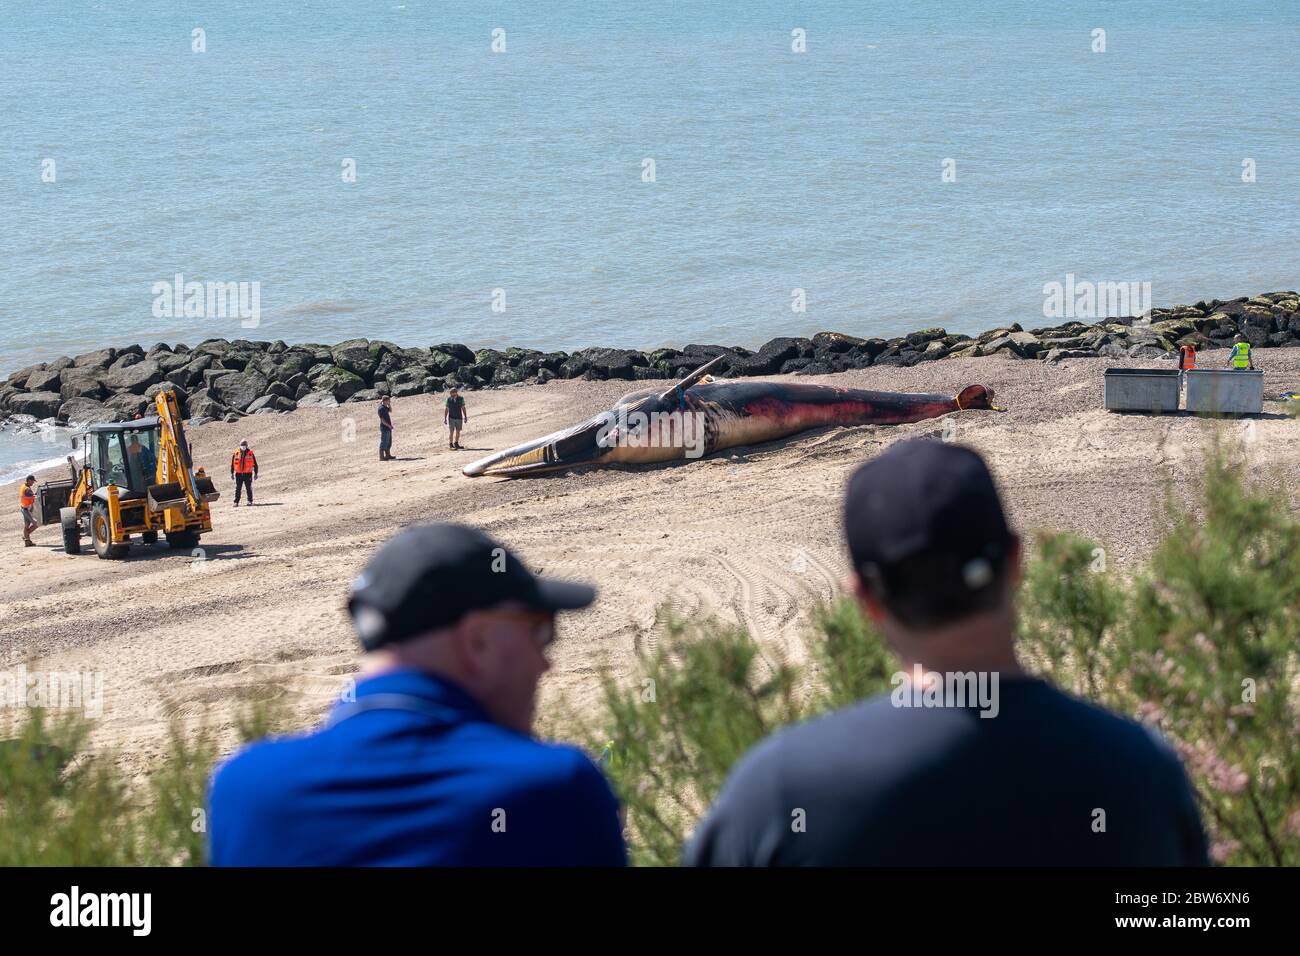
102	536
71	530
182	540
149	537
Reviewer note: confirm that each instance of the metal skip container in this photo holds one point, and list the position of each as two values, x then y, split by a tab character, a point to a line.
1152	390
1225	391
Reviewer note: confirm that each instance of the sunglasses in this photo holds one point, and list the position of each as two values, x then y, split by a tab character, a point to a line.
541	625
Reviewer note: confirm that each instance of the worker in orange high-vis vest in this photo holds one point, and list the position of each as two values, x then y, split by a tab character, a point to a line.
27	504
243	468
1187	357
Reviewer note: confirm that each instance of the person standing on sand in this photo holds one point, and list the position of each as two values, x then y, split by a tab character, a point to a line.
969	761
1240	358
27	505
453	416
243	469
431	759
386	429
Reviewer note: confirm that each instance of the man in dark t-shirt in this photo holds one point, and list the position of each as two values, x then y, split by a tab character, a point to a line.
386	429
453	416
969	761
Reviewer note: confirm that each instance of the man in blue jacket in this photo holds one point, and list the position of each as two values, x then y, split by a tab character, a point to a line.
433	763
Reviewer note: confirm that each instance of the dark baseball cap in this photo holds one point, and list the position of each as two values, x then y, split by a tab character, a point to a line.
429	576
924	521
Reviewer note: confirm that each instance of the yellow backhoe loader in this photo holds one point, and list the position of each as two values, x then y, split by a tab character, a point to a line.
134	478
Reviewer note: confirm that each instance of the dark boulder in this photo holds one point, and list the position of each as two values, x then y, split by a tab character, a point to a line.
36	404
44	379
482	372
360	357
457	351
836	342
895	355
170	361
100	359
339	382
152	391
190	374
124	360
239	389
613	363
404	389
133	378
772	356
517	356
19	376
79	382
507	375
203	404
237	359
443	362
917	340
321	399
128	405
574	366
84	411
210	375
272	403
1060	354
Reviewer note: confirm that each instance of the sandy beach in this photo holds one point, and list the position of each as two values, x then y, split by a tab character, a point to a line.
750	535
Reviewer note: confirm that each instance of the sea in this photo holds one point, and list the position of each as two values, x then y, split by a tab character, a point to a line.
585	172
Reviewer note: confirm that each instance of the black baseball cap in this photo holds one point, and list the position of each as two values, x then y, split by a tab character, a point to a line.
924	522
429	576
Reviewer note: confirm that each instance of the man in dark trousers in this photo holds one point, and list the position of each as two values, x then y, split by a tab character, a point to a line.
970	761
454	416
243	469
430	759
27	505
386	429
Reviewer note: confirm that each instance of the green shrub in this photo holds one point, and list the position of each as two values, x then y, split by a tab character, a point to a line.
64	804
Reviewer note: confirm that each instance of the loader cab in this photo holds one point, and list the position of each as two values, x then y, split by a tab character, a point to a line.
124	454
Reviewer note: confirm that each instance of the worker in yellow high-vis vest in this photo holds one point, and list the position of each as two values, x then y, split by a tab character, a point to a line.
1240	357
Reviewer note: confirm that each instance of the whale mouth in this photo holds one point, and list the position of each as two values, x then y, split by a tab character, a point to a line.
571	448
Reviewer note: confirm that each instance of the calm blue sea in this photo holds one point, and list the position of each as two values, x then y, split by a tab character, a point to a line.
523	170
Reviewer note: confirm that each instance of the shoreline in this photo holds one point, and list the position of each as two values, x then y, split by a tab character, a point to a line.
227	380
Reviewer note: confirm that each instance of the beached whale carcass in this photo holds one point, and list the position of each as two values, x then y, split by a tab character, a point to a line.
698	416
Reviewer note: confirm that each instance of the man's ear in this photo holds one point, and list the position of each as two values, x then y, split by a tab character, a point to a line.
469	643
1015	566
869	603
